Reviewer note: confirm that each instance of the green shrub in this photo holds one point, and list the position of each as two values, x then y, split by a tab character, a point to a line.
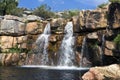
115	1
69	14
102	5
18	12
117	39
44	11
7	6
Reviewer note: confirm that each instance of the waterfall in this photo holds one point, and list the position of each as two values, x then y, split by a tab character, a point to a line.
66	54
42	44
102	48
82	51
85	55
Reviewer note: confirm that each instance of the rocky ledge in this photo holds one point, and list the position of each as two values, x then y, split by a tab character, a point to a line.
111	72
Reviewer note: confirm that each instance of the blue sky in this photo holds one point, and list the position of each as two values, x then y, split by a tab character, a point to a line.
60	5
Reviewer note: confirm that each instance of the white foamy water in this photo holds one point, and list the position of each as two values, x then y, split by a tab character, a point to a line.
42	43
55	67
66	53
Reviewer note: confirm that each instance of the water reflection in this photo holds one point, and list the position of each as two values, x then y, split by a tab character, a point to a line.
38	74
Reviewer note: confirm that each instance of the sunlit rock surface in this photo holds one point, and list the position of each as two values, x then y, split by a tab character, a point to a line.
111	72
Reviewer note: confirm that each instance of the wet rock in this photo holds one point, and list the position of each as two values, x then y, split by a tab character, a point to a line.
15	57
57	25
111	72
79	40
78	58
2	58
31	41
12	59
30	59
8	59
53	39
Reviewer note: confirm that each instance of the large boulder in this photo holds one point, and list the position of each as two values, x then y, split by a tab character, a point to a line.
57	25
11	17
10	27
114	15
92	19
96	19
109	47
32	18
111	72
34	28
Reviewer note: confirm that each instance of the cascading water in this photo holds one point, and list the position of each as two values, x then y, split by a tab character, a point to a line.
42	44
66	53
84	60
102	48
82	51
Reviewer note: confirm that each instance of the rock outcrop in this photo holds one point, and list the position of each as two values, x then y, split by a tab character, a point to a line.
111	72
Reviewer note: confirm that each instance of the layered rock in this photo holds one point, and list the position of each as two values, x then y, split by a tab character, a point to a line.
18	35
92	19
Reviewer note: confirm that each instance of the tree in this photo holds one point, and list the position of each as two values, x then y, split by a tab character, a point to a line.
115	1
70	13
7	6
18	12
102	5
117	41
43	11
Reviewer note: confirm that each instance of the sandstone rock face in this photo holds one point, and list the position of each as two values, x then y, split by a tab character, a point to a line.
12	59
92	36
34	28
111	72
12	27
114	15
76	24
2	58
92	19
110	46
57	25
32	18
9	42
10	17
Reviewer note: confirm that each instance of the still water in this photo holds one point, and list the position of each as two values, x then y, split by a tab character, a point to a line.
20	73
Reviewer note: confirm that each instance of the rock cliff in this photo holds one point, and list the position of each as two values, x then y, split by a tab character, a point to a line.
100	27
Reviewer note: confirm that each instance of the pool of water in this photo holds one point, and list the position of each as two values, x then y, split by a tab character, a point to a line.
35	73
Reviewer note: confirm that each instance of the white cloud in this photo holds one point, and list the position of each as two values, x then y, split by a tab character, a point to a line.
41	0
